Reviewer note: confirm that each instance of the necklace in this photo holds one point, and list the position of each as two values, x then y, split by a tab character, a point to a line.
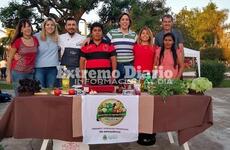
26	38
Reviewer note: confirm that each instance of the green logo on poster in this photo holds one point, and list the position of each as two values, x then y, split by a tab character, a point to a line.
111	112
104	137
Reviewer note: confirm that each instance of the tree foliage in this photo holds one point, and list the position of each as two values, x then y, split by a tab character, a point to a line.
4	41
36	10
61	9
149	14
11	15
146	13
201	28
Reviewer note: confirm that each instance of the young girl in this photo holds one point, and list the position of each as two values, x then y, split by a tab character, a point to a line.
169	59
25	45
144	51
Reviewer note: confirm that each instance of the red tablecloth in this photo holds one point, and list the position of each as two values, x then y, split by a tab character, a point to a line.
50	117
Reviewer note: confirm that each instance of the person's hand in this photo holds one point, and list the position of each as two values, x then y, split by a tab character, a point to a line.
113	77
17	56
86	41
83	81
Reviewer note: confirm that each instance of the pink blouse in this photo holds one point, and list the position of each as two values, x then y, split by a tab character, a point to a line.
166	68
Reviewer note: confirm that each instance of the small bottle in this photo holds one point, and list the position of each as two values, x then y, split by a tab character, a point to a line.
142	81
65	82
155	73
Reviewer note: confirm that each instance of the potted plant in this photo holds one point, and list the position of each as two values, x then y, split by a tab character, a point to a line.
28	87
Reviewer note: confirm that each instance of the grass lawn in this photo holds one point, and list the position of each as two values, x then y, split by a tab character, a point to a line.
225	84
6	86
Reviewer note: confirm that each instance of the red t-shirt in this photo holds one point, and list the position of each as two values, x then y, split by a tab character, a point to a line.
98	56
144	57
27	54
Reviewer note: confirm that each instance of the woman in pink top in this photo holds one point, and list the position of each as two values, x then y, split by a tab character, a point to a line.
169	59
25	46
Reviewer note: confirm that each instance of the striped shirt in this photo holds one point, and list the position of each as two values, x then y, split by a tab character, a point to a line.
123	44
98	56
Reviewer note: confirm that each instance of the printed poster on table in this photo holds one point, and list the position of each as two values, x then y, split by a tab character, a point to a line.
109	119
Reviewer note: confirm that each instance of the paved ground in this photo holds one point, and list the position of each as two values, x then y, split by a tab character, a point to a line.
215	138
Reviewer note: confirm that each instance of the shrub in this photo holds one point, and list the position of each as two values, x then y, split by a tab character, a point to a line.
1	147
212	53
213	70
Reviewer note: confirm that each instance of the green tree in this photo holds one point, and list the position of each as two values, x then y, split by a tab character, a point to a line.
36	10
11	14
201	28
111	10
61	9
146	13
185	22
225	43
149	14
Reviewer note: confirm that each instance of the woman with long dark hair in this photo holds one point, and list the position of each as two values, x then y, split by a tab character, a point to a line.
25	45
169	59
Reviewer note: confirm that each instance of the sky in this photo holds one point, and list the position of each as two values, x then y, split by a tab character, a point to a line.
175	5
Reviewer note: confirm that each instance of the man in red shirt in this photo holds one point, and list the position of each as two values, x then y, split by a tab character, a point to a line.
98	58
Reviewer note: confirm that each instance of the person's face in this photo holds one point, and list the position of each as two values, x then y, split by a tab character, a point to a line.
124	22
144	36
71	27
49	27
97	33
168	42
167	23
27	30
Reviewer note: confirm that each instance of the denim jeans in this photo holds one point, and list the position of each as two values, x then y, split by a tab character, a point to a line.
47	76
16	76
3	73
73	80
125	70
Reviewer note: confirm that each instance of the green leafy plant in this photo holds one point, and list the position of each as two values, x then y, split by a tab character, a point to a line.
167	87
200	84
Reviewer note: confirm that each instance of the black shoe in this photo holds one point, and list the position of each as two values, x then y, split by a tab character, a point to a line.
146	139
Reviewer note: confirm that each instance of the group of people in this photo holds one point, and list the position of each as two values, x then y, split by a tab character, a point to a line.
111	56
108	57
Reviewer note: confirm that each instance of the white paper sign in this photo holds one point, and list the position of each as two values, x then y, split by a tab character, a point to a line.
109	119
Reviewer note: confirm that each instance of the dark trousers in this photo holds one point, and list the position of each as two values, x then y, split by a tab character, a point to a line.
3	73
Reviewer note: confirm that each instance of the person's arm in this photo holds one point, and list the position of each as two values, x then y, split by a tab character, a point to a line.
156	40
180	42
156	59
61	46
114	63
180	61
82	69
113	58
86	41
12	52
